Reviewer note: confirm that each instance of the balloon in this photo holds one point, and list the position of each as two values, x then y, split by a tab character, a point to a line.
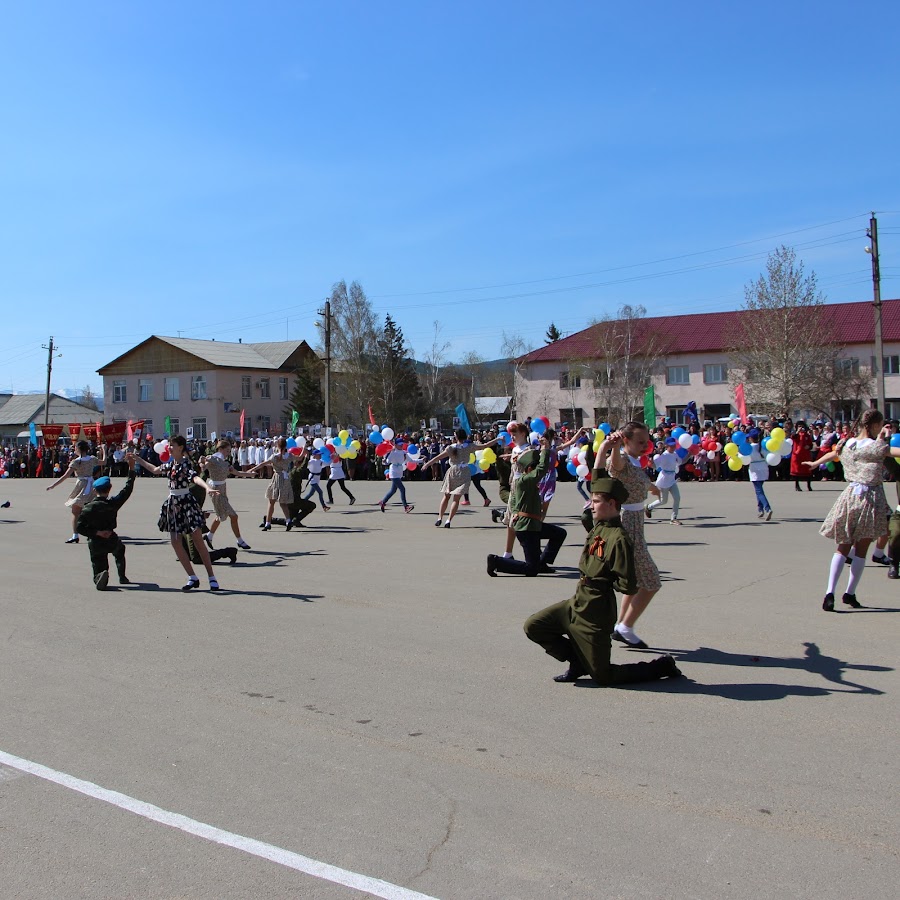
343	434
773	459
695	450
534	438
787	445
645	462
695	438
778	434
545	420
830	466
734	464
318	443
718	447
606	428
765	444
538	427
510	425
412	449
739	437
895	440
300	441
484	465
582	471
774	445
489	455
291	443
684	441
472	458
588	476
473	469
411	466
677	432
505	439
294	451
352	454
681	453
158	447
745	459
331	449
387	433
731	450
375	437
382	449
164	456
571	468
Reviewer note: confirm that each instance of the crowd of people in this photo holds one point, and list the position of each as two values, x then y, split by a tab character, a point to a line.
620	468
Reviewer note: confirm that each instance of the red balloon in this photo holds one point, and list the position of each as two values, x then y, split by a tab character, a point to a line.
545	420
411	466
164	456
295	451
645	462
650	447
383	448
694	449
588	476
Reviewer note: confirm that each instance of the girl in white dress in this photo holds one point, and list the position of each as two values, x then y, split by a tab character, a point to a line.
82	469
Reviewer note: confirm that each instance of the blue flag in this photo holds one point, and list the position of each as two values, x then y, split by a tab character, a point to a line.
32	431
690	413
463	418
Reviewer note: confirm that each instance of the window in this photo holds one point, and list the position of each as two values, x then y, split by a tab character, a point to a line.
175	425
282	389
678	375
675	413
846	367
119	392
892	365
573	418
145	390
198	388
264	388
264	422
245	387
892	409
569	380
605	377
148	428
199	426
171	390
715	373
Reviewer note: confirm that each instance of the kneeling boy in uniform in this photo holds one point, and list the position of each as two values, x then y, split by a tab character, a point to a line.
97	523
579	630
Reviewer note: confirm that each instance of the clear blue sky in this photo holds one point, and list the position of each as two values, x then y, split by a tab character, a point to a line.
212	168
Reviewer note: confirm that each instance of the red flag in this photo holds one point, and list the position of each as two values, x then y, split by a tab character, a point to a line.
113	433
74	431
51	434
137	429
99	429
40	467
372	417
243	412
741	403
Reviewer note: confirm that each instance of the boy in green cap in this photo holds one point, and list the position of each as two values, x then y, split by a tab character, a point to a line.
579	630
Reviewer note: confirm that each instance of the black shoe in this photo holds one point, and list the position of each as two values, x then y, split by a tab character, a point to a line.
640	645
882	560
231	553
447	524
496	515
573	673
101	581
438	523
544	569
263	523
850	600
289	525
809	487
671	670
893	570
492	565
828	603
191	584
797	487
352	500
5	505
124	580
647	512
73	539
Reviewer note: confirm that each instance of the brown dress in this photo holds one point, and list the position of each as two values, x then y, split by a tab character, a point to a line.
218	468
280	489
637	481
83	492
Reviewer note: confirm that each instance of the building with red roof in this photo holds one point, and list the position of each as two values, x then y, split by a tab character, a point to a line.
558	379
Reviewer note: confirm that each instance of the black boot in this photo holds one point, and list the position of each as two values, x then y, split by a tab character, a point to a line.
892	569
850	600
661	667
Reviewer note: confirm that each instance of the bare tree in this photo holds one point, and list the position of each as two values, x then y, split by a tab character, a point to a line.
628	353
433	379
354	350
513	348
87	398
783	347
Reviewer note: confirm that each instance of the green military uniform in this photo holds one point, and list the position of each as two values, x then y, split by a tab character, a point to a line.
101	515
525	506
894	522
579	630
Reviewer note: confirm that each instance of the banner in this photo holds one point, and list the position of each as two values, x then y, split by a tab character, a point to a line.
113	433
243	412
295	420
74	431
32	434
137	430
463	418
372	417
98	430
51	434
741	403
650	407
168	426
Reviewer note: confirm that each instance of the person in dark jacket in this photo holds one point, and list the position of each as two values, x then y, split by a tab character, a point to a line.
97	522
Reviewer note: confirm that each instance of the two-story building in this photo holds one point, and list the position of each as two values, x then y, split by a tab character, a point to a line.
203	385
561	379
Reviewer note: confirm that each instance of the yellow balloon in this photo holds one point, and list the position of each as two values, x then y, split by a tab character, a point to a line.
734	464
484	465
732	450
489	456
471	458
356	445
778	434
343	434
773	444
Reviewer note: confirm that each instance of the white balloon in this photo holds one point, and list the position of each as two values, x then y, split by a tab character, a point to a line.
301	441
318	443
773	458
786	446
582	471
745	460
387	433
684	441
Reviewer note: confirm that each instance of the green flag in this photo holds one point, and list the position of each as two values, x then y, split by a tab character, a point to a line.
295	418
650	407
168	427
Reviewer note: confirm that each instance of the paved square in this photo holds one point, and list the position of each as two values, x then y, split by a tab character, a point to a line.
360	692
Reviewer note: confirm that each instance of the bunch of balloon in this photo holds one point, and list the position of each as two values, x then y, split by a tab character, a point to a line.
539	426
343	446
413	457
776	446
688	444
482	460
295	445
601	433
161	449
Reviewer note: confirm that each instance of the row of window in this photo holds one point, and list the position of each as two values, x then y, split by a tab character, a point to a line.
172	389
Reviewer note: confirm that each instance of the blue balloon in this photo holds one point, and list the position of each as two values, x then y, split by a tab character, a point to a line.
375	437
764	445
677	432
412	449
505	439
895	440
473	468
681	453
695	438
291	443
606	428
384	426
538	426
571	468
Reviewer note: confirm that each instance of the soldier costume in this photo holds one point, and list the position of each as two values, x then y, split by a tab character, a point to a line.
100	515
579	630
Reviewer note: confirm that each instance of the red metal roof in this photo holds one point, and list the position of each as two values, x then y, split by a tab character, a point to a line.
707	332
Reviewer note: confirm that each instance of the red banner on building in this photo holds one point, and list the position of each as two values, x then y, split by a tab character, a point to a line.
137	430
113	433
74	431
51	434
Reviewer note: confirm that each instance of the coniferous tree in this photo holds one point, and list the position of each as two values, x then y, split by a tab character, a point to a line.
553	334
306	397
401	394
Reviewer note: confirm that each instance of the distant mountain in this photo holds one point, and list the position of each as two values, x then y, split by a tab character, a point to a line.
68	393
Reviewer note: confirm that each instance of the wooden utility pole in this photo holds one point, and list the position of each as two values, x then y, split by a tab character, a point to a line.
327	315
872	234
49	348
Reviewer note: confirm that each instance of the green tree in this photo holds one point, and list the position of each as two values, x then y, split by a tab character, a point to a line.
401	394
553	334
306	397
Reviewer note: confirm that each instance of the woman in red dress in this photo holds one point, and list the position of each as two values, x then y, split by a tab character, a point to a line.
801	453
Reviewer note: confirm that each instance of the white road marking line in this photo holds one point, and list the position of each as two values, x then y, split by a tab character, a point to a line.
373	886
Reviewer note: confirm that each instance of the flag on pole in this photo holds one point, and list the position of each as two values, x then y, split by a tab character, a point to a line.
168	425
295	420
650	407
740	402
372	417
463	418
243	413
32	434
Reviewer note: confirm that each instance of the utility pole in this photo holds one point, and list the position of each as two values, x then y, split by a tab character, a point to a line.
49	348
872	234
326	313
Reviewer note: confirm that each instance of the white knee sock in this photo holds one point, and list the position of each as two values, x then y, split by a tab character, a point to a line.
856	569
837	566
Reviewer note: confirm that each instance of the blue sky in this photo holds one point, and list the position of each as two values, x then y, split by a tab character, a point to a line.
212	168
